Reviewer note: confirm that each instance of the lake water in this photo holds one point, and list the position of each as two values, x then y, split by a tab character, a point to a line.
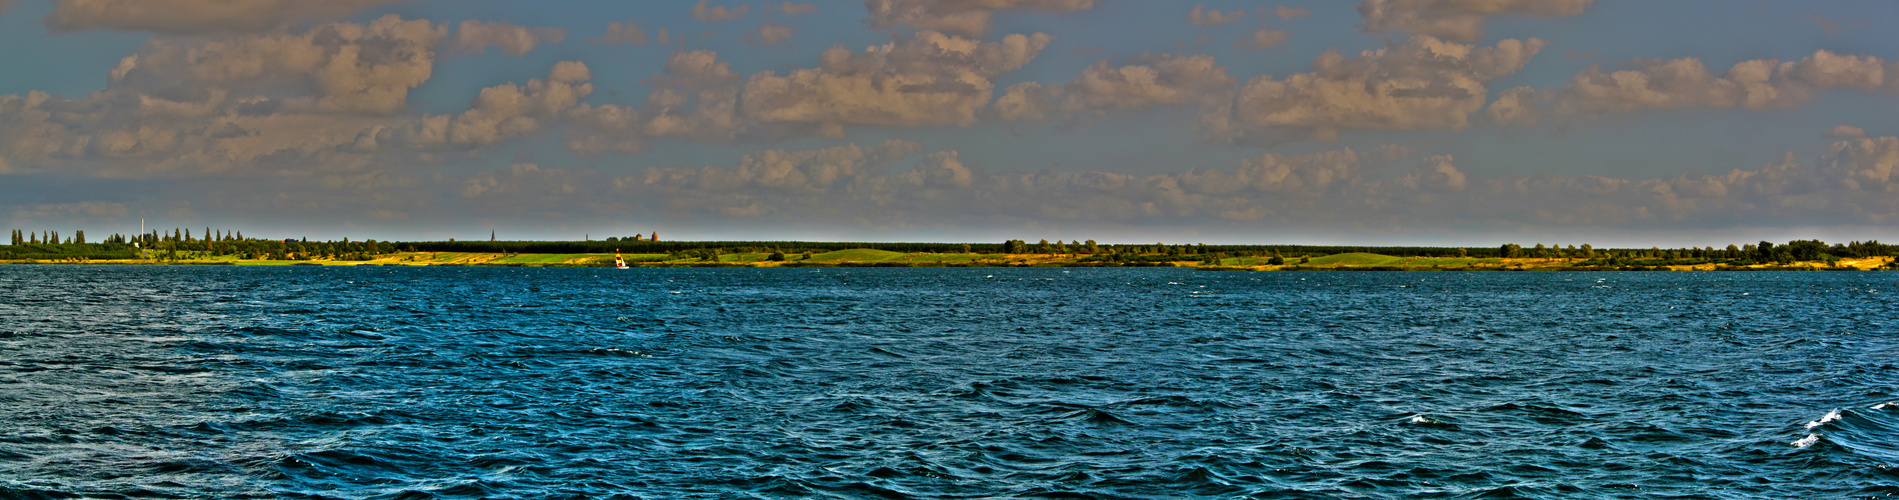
306	382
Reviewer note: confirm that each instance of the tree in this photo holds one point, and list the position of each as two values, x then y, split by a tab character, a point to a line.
1043	248
79	236
1091	248
1588	251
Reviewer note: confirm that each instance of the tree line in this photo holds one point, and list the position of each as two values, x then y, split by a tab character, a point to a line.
211	242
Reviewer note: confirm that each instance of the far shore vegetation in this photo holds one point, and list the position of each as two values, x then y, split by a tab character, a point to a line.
219	247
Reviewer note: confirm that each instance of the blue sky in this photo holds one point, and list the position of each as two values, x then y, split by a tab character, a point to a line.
1434	122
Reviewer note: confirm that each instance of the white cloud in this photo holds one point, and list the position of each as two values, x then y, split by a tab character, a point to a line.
628	32
1461	20
961	17
1201	16
1424	83
717	14
1163	80
473	37
1266	38
197	17
221	104
799	9
928	79
695	98
1687	83
505	111
1845	132
367	68
771	33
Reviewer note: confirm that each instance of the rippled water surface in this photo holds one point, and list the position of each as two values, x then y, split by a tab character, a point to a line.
306	382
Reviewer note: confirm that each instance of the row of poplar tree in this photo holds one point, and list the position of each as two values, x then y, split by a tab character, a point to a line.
45	238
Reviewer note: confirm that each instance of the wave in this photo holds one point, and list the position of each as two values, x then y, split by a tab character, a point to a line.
1871	432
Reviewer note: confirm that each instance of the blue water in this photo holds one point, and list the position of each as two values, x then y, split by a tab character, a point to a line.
302	382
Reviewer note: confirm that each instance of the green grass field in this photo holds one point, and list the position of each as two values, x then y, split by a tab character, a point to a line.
948	258
1378	260
540	258
855	255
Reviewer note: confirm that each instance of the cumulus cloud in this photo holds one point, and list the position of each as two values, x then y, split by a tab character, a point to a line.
1845	131
928	79
474	37
352	67
961	17
1516	106
322	105
1688	83
1201	16
196	17
504	111
1160	80
308	99
1423	83
628	32
849	183
1388	188
1461	20
696	98
1266	38
717	14
1286	14
770	33
798	9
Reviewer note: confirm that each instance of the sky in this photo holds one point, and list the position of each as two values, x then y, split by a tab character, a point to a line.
1369	122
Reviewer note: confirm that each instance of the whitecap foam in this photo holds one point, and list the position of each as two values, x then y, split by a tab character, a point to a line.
1830	416
1806	441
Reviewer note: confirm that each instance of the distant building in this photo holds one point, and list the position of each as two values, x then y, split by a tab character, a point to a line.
655	236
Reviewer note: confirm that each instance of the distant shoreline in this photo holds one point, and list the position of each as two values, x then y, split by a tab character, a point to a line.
867	258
